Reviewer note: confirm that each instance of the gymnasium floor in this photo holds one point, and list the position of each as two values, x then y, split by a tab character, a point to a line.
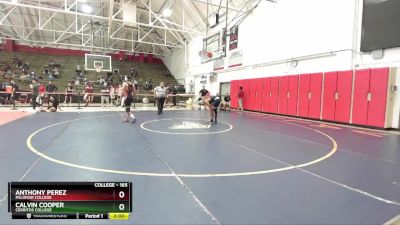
248	169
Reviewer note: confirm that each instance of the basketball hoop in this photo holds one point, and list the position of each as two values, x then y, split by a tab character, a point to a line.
98	68
205	55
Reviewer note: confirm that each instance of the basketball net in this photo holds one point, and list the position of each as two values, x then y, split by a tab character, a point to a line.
98	68
205	55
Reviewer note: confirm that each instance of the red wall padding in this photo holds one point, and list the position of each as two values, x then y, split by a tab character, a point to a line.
283	93
292	95
314	105
343	103
266	94
301	95
378	89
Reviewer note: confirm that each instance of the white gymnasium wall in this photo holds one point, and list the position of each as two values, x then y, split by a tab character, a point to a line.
292	28
318	32
321	34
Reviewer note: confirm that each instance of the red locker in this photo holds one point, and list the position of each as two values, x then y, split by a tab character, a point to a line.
273	104
259	95
360	103
283	94
292	95
314	105
343	101
266	94
252	94
378	92
233	93
236	91
304	88
329	104
246	98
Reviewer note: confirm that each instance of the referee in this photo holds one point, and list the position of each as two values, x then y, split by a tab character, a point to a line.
160	92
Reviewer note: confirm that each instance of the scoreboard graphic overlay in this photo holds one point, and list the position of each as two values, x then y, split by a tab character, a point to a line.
70	200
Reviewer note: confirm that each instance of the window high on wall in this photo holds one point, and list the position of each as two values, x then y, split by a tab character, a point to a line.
380	25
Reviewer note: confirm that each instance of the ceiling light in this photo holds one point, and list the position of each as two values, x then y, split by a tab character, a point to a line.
167	12
86	8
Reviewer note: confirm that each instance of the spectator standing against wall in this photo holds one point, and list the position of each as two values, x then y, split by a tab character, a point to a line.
88	97
174	92
35	92
14	94
191	87
112	94
105	97
160	92
240	98
68	94
42	94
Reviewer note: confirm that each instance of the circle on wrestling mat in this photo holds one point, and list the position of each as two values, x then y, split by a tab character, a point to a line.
185	126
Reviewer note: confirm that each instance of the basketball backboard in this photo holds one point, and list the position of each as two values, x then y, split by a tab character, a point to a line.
93	62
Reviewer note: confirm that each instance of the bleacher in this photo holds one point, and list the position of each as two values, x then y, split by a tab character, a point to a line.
37	62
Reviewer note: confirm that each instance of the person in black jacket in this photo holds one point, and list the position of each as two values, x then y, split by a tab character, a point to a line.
213	103
226	103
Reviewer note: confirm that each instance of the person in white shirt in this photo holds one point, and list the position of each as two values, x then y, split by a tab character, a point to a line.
160	93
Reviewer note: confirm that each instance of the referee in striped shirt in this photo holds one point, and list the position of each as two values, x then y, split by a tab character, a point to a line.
160	92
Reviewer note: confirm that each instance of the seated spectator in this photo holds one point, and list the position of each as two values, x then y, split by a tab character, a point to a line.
25	67
51	64
78	69
18	63
46	71
33	75
132	72
7	68
51	88
24	77
80	75
56	73
226	103
9	73
101	80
